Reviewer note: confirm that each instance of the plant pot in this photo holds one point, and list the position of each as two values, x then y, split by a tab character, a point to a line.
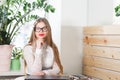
5	57
15	64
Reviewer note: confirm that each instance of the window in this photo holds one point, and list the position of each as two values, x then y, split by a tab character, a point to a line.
55	22
22	38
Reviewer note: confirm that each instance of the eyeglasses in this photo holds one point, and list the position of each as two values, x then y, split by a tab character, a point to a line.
43	29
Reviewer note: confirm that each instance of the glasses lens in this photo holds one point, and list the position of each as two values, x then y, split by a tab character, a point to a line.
38	29
44	29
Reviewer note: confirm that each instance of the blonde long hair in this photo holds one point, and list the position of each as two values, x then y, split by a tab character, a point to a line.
48	40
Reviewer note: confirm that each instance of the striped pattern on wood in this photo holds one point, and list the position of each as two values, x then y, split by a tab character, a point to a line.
102	52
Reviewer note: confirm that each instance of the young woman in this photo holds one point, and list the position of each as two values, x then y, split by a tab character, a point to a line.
41	54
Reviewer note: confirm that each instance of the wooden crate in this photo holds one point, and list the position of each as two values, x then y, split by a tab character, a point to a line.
102	52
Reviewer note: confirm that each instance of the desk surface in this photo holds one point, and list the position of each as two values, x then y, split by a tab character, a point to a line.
12	73
47	78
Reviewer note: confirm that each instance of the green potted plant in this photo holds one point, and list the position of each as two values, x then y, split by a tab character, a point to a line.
15	61
117	10
13	14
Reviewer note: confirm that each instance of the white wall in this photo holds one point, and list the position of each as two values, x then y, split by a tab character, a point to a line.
73	19
75	15
55	22
100	12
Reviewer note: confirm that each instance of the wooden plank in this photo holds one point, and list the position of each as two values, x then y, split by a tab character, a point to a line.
113	29
101	73
101	52
102	40
93	30
100	62
108	52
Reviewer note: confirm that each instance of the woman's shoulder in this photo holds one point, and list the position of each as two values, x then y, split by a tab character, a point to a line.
27	49
49	48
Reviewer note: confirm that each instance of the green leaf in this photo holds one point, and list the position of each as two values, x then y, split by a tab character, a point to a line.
16	52
117	10
25	8
33	5
29	5
11	16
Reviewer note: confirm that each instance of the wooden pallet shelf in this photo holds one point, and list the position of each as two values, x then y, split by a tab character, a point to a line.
102	52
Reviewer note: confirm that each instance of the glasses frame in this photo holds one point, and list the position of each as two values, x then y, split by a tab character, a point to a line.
43	29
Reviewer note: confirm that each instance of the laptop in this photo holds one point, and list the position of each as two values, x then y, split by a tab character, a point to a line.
31	77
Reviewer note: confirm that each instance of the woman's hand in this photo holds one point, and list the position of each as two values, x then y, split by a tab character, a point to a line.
39	44
41	73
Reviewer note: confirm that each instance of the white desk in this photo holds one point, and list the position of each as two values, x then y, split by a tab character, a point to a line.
10	75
